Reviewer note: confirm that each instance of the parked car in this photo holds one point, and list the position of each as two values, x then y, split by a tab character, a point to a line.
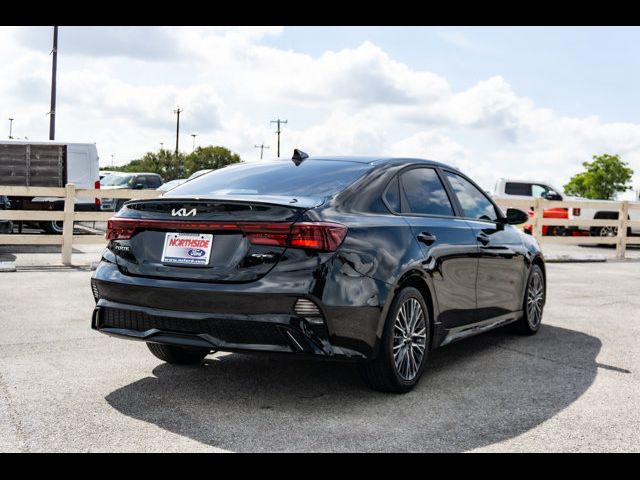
527	189
121	181
104	173
366	259
6	226
171	184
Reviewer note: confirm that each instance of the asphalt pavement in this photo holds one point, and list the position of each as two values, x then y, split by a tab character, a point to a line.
573	387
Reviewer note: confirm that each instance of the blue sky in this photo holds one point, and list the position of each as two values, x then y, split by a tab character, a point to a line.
528	102
575	70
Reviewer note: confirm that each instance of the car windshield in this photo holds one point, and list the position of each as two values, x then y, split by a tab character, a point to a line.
312	178
116	180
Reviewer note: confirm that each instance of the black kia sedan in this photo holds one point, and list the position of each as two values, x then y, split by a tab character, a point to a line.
374	260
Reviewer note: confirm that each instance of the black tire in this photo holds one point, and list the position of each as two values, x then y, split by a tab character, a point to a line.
382	373
531	319
55	227
178	355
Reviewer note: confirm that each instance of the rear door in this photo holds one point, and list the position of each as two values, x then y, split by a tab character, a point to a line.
448	244
501	266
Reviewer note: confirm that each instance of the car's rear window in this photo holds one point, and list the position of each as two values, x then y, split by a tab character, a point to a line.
312	178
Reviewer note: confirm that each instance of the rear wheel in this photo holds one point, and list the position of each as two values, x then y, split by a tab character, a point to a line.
404	347
178	355
534	299
54	227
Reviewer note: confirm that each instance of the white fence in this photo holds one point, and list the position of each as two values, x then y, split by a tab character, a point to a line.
69	215
622	223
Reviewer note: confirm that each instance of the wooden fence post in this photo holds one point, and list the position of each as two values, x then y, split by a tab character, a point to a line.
621	245
67	229
537	219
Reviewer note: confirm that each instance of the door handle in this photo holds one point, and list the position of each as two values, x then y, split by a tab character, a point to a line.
483	238
426	238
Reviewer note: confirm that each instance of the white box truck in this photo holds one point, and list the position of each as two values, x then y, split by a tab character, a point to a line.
49	164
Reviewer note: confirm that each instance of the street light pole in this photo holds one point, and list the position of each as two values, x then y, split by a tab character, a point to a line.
52	112
10	128
194	135
279	122
177	112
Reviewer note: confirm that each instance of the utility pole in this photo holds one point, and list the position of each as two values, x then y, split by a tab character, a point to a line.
161	145
279	122
262	146
177	112
112	159
10	128
52	112
194	135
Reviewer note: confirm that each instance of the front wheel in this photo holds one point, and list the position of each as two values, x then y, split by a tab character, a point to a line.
534	300
178	355
404	347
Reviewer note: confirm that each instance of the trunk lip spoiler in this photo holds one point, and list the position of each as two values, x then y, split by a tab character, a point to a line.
280	200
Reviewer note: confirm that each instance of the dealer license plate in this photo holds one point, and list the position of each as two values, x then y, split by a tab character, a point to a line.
187	248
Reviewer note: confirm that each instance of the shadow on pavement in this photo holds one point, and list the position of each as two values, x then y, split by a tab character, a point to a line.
474	393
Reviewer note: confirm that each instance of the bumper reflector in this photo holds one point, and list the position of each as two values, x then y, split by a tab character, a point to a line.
309	310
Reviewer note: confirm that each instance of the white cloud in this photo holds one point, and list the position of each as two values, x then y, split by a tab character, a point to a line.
118	87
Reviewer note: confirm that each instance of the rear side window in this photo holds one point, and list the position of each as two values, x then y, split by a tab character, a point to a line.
473	202
312	178
517	188
425	193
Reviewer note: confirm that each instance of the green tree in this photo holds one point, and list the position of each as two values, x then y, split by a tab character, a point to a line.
602	178
164	162
209	157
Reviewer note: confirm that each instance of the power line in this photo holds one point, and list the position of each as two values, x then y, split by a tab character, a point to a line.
262	146
177	112
279	122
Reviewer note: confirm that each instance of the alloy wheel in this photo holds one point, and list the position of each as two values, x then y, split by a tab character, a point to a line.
409	339
535	299
609	231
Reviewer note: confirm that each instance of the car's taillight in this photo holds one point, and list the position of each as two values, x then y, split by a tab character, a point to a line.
576	212
96	186
317	235
120	230
324	236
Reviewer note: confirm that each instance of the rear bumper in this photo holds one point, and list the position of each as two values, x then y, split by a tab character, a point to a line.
258	316
266	333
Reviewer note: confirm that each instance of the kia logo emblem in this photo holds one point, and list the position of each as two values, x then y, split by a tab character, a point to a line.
182	212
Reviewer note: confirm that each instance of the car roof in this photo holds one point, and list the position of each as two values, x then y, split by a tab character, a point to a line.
376	160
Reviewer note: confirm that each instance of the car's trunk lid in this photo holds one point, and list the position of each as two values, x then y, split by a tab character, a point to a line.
217	240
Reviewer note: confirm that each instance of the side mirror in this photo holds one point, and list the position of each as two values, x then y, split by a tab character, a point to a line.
551	195
138	186
516	216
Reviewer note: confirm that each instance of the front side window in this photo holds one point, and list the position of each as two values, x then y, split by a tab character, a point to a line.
538	190
473	202
425	193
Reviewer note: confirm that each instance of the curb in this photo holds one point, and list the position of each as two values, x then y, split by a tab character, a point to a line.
575	259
